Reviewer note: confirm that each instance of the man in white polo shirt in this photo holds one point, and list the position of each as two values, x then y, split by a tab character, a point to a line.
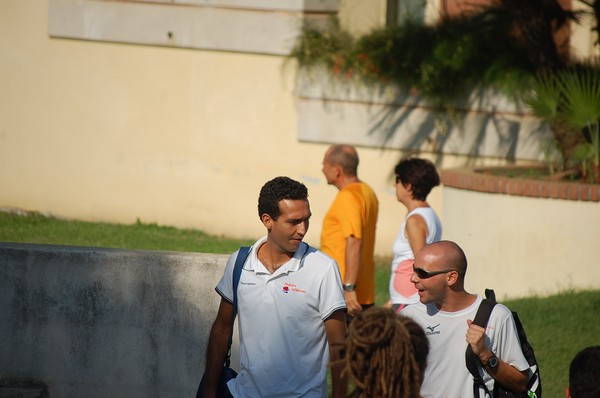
291	308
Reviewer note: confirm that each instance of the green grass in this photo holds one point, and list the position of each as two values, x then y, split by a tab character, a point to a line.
36	228
382	279
557	326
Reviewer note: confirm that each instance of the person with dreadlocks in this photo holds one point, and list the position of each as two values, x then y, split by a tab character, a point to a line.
386	355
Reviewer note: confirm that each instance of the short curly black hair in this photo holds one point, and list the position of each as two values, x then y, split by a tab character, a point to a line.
277	189
583	373
420	173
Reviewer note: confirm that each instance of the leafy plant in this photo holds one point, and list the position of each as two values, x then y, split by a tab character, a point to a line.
439	62
581	89
322	46
569	100
507	45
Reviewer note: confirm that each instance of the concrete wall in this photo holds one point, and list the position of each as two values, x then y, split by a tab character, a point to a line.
106	323
523	246
256	26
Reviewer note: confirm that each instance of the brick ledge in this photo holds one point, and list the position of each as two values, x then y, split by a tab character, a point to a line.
474	180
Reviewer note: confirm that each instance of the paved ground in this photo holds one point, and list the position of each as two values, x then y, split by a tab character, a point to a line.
22	392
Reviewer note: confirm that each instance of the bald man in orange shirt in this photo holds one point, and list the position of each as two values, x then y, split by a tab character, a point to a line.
348	233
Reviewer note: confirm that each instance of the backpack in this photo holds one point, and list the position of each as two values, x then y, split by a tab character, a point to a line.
534	386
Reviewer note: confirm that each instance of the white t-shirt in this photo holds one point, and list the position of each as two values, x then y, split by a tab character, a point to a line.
446	375
402	290
283	345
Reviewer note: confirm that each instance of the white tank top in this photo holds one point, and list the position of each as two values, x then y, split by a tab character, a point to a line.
402	291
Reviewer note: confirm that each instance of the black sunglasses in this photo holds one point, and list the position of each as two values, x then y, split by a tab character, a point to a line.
422	274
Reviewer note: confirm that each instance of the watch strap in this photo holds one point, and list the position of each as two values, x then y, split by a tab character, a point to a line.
349	287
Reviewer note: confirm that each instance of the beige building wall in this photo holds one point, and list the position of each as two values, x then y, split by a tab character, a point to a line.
116	132
184	137
360	16
522	246
583	38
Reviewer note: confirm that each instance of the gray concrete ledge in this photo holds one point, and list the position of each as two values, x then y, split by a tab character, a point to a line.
91	322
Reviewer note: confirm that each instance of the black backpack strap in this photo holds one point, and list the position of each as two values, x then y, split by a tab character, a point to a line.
481	319
490	295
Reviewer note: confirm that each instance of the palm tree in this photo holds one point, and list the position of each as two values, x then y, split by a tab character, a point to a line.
569	100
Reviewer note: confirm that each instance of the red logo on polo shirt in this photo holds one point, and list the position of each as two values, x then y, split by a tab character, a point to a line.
292	287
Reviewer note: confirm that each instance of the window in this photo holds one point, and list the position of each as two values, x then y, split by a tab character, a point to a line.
402	10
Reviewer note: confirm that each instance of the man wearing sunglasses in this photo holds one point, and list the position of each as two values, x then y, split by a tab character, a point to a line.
446	311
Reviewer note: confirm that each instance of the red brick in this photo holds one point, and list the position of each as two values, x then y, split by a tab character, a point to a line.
544	190
466	178
573	192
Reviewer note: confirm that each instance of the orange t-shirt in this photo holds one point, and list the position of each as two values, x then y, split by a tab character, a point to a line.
353	213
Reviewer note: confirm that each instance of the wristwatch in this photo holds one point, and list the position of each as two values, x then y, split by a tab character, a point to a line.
492	362
349	287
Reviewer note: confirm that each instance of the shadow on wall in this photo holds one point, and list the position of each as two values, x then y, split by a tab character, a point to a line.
484	124
106	322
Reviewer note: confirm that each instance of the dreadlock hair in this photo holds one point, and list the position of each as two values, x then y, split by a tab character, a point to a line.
419	341
380	357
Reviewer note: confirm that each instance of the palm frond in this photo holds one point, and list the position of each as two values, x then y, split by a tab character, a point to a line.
544	97
581	88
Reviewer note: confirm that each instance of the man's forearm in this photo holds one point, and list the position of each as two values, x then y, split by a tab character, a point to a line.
335	328
353	252
215	357
506	374
217	348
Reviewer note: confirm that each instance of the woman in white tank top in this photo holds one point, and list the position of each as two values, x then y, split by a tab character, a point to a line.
415	178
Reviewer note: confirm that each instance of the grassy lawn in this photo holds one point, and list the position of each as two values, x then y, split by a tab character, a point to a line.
35	228
557	326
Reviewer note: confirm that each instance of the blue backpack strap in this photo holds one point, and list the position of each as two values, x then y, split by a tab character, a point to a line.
237	272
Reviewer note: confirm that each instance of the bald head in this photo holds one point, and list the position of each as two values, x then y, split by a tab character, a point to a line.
446	254
344	156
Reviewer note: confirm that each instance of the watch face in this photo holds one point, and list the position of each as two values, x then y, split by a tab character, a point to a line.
493	362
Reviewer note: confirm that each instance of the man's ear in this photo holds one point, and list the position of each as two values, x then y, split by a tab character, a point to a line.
338	170
267	221
567	392
451	278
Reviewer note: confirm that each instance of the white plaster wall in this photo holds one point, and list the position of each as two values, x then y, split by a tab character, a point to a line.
583	38
360	16
263	27
113	132
522	246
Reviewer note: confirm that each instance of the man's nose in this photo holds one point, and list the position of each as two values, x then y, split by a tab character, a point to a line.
414	278
302	228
